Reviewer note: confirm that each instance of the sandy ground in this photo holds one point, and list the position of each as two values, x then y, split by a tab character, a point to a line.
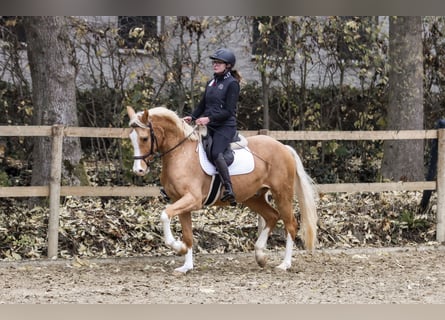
390	275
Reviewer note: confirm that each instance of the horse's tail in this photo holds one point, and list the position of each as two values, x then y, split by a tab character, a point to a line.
307	197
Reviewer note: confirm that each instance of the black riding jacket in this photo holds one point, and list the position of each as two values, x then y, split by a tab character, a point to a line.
219	101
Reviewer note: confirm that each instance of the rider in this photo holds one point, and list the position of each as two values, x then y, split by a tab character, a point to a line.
217	109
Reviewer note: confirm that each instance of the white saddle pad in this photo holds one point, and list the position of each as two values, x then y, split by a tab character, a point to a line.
242	164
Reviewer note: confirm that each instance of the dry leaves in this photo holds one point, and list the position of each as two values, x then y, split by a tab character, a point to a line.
121	227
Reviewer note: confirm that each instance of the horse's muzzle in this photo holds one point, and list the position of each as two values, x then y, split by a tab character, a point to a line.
138	168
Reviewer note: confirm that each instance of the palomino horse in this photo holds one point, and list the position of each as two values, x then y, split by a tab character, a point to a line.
159	132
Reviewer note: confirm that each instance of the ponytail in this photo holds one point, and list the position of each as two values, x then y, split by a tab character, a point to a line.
236	75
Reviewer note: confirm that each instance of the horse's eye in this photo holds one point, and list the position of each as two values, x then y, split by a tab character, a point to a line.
144	139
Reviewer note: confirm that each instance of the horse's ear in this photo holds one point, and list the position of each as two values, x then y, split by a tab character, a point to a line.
144	118
130	112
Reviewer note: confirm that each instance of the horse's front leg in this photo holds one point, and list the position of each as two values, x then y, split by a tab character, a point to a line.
182	208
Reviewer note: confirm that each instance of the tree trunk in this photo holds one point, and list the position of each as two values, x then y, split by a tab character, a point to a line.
265	90
403	159
53	93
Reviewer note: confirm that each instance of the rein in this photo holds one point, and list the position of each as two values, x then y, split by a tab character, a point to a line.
152	154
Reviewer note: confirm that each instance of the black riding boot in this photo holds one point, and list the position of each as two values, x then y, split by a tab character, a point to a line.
223	171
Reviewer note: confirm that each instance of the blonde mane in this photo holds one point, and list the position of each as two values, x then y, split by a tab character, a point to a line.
163	112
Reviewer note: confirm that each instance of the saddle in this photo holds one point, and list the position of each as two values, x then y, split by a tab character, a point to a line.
244	161
238	142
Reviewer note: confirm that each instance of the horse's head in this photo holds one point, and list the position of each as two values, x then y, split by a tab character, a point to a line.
143	140
171	132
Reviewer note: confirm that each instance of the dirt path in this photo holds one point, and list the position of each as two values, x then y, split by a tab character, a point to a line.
414	275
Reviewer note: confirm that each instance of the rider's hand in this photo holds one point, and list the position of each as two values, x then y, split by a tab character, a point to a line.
202	121
187	119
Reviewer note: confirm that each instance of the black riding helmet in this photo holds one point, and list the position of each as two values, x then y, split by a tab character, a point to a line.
225	55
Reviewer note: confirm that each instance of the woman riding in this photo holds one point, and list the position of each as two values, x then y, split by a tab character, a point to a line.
217	110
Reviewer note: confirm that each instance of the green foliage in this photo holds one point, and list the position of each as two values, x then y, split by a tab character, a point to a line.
15	105
409	220
15	109
4	179
142	94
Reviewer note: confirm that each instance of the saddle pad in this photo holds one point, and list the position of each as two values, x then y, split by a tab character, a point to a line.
242	164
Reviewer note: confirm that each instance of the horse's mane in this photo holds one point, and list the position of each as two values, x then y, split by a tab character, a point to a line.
183	126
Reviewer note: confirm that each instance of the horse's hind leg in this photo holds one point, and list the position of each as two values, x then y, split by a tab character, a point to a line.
261	222
284	205
260	205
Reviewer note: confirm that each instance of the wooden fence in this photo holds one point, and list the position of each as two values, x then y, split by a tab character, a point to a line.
54	191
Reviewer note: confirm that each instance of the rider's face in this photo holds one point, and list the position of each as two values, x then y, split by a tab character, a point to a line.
218	66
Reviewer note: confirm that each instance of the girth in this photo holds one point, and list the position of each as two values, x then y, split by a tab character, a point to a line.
214	191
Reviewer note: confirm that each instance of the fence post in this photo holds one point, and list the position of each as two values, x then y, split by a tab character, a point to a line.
54	190
440	226
264	131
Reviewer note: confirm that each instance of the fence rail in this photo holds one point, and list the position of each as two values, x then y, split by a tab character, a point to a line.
54	191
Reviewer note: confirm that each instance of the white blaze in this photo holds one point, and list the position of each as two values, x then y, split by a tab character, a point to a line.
137	164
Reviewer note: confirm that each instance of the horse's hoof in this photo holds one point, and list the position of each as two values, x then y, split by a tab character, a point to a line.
261	260
181	271
282	267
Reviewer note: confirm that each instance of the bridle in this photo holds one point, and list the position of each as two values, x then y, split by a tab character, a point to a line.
153	154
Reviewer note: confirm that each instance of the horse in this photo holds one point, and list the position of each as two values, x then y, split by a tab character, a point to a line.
277	171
